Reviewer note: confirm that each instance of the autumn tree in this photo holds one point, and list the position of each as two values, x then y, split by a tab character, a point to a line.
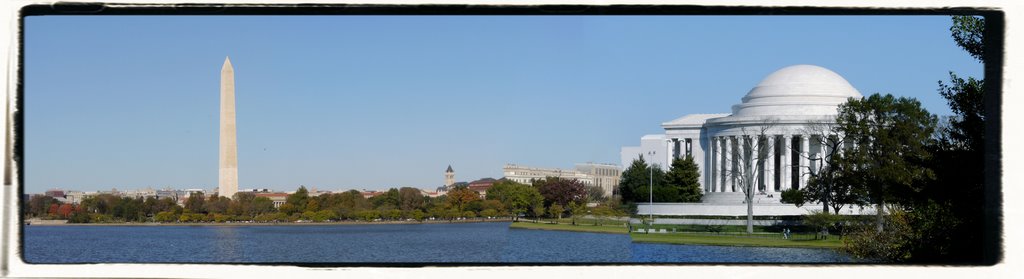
561	191
459	197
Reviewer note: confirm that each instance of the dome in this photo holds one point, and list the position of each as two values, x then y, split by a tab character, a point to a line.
797	90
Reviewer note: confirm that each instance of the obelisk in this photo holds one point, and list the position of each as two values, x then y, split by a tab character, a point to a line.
228	185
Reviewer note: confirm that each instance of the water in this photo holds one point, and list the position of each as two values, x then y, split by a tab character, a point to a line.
406	243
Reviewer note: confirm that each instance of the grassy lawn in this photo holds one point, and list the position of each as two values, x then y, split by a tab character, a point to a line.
569	227
733	240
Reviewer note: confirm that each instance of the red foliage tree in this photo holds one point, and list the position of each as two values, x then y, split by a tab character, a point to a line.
65	210
53	209
561	191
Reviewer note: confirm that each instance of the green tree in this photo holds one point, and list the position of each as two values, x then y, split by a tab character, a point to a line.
389	199
410	198
518	198
261	205
890	136
556	210
821	220
635	184
577	210
488	213
793	196
166	217
298	200
417	214
195	203
683	180
217	204
538	211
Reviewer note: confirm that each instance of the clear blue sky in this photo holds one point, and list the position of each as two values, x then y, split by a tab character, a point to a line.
340	102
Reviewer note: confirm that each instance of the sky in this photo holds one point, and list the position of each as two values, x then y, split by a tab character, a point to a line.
374	102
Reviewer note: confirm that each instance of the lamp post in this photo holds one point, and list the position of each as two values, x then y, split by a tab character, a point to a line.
650	210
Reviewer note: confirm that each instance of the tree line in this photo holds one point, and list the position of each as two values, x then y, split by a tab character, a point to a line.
679	184
551	196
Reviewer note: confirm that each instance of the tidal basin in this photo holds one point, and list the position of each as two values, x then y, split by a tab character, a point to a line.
393	243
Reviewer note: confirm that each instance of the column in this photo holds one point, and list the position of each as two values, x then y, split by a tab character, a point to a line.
755	157
821	152
769	164
805	142
786	171
668	155
728	160
716	171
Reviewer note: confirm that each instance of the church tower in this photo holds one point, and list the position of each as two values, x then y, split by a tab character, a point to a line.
449	176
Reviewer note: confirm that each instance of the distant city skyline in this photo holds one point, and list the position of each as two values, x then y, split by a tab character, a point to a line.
374	102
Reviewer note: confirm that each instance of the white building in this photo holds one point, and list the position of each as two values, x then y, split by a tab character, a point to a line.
782	111
604	175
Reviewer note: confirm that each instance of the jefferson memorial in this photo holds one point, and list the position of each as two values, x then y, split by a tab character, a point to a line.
782	111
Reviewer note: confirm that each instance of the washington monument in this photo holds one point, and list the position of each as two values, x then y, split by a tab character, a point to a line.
228	185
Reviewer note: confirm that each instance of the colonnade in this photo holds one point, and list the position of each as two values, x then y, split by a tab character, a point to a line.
777	171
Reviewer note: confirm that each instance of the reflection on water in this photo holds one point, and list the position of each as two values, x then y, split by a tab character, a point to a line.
227	245
405	243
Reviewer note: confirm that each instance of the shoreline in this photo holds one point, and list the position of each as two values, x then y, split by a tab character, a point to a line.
342	223
685	239
569	228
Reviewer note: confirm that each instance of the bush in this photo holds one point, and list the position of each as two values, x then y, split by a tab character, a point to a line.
891	245
79	217
793	196
166	217
489	213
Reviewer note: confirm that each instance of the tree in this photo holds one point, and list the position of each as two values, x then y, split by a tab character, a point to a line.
39	205
827	183
195	203
298	200
217	204
409	198
518	198
890	136
577	210
821	220
747	172
596	194
560	191
459	197
793	196
64	211
538	211
968	32
390	199
683	179
556	210
635	184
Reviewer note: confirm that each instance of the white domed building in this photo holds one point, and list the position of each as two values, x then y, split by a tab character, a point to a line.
782	111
